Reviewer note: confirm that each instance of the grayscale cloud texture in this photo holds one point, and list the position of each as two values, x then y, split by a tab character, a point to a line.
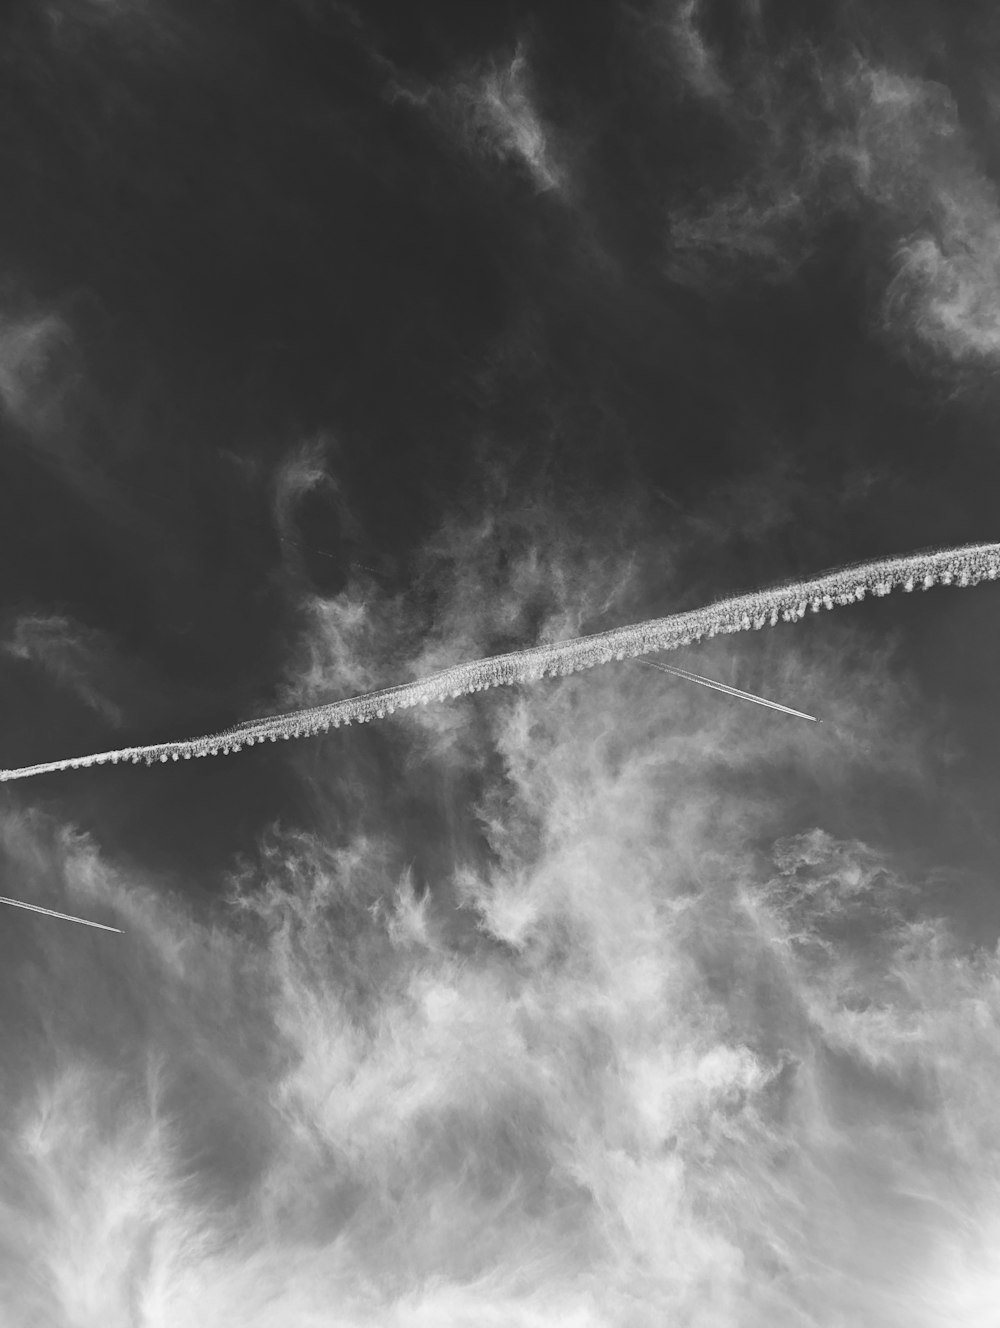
341	344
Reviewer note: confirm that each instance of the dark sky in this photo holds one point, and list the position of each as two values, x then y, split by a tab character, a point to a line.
339	344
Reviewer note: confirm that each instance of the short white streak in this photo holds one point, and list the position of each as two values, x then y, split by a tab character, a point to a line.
51	913
961	566
724	687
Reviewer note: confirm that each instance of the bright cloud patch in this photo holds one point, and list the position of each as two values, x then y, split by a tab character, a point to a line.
674	1081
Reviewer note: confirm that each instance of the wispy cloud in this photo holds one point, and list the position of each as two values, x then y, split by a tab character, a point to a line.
37	367
814	136
503	111
76	657
492	110
670	1069
582	1001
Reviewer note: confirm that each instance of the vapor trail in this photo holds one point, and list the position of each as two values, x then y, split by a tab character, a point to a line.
51	913
962	566
724	687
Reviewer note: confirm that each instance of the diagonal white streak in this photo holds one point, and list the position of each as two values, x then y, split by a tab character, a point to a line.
964	566
51	913
729	691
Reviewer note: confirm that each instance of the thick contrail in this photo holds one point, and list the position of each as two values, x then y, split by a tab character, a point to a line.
729	691
964	566
51	913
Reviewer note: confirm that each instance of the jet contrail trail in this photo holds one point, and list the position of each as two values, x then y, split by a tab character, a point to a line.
730	691
966	566
51	913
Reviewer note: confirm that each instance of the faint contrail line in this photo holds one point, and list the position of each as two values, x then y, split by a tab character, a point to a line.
964	566
51	913
724	687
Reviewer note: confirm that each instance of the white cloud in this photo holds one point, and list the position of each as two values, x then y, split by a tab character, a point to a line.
687	1050
821	137
505	112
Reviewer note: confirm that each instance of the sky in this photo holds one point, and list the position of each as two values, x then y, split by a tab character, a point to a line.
344	343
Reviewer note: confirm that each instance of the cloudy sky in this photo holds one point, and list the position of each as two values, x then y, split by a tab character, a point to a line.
342	343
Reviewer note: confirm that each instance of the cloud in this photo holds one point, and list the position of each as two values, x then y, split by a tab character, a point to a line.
916	160
811	136
37	369
503	112
492	110
81	659
602	1001
307	470
681	1050
699	68
491	581
301	472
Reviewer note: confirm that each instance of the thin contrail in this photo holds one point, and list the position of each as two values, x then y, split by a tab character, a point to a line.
965	566
51	913
730	691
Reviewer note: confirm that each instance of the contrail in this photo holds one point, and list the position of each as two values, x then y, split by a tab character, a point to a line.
51	913
965	566
730	691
